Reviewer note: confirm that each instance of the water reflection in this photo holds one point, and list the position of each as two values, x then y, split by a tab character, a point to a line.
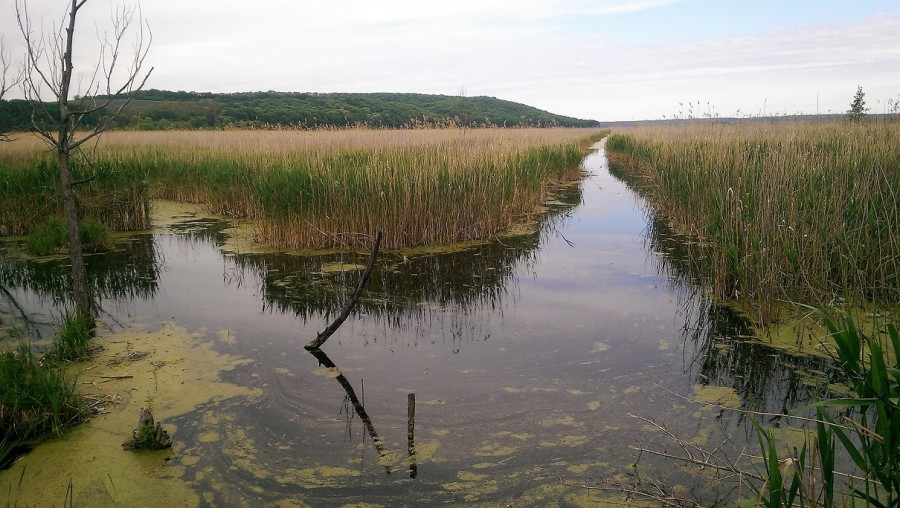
528	353
33	294
718	341
357	405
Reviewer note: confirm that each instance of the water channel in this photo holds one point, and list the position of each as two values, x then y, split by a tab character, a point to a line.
526	355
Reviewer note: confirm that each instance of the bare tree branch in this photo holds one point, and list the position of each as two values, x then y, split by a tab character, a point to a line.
49	66
8	79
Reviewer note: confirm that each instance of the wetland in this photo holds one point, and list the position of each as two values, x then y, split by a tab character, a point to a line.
529	356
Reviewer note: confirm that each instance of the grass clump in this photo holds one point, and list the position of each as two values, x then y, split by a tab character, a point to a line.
36	398
803	212
73	338
53	238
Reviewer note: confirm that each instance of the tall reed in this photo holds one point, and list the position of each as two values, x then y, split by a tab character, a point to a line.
329	188
789	211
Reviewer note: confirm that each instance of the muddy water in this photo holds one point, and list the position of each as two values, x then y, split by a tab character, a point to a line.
526	356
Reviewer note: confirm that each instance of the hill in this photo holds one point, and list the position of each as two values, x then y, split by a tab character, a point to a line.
160	109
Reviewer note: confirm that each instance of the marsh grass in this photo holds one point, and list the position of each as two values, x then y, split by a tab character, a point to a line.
53	237
30	197
36	398
317	188
73	338
806	212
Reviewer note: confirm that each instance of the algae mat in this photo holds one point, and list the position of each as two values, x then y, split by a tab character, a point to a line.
173	369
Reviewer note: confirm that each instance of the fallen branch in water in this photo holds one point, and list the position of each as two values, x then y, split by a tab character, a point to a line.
657	493
345	312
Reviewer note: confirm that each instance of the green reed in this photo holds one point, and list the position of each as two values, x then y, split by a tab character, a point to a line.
318	189
804	212
73	338
36	398
862	429
30	196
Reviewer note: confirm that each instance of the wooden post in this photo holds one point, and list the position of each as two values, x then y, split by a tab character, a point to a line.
411	433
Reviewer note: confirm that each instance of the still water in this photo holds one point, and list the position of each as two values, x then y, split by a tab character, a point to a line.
526	357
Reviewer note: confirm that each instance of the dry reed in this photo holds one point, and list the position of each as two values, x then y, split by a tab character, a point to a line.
330	188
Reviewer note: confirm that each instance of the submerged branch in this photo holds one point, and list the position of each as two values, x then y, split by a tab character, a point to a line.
345	312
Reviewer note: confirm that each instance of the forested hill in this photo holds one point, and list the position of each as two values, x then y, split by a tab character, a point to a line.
159	109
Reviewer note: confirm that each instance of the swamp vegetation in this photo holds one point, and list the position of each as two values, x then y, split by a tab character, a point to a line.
537	357
780	217
783	212
310	189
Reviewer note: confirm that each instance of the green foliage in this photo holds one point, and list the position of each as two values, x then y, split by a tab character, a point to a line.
35	397
875	377
53	238
868	430
73	338
858	107
160	110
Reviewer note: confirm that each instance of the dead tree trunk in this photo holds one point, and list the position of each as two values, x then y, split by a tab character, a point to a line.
48	71
81	294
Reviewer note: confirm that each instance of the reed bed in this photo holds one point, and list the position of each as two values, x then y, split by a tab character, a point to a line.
805	212
329	188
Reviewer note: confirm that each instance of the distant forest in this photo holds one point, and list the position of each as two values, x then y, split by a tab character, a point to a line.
161	110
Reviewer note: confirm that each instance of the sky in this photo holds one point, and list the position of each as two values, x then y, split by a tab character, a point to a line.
607	60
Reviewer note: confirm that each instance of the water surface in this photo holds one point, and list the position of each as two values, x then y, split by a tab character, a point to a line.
526	356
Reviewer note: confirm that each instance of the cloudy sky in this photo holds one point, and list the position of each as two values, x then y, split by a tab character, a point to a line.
600	59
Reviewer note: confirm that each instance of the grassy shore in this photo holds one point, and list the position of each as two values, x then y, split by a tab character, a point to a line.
310	188
805	212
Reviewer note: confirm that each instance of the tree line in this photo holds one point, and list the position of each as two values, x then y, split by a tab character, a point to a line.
161	109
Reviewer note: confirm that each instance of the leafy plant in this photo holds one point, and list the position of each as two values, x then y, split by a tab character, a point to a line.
872	364
868	429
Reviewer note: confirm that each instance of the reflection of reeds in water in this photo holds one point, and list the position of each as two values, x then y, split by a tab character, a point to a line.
129	271
407	290
791	211
325	188
717	341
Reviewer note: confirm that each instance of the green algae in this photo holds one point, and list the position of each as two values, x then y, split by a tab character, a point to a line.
599	347
724	396
327	476
338	267
495	450
161	364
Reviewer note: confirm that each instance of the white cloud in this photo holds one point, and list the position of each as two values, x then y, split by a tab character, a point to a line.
522	50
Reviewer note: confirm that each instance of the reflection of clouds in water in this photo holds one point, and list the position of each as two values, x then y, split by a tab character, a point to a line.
577	325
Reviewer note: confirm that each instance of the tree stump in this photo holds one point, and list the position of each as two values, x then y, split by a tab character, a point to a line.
148	435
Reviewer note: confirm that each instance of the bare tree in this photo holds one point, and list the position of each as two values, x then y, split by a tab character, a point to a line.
8	79
48	73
